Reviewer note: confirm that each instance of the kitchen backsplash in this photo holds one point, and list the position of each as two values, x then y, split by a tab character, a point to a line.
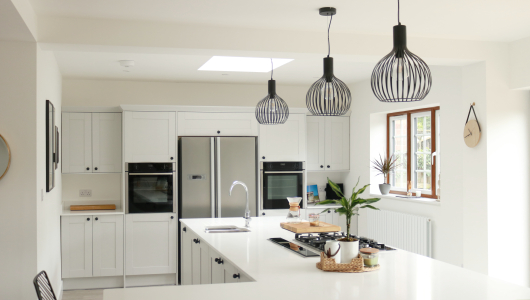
101	187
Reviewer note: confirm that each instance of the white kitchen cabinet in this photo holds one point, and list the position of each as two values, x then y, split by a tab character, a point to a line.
232	274
206	264
217	267
76	246
285	142
92	246
185	256
107	245
106	142
77	143
217	124
91	143
151	243
195	260
149	136
339	220
328	143
316	137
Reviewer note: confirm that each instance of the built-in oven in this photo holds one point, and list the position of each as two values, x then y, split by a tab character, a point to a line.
280	180
150	188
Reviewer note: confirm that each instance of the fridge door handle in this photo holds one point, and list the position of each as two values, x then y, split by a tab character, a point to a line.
218	177
212	178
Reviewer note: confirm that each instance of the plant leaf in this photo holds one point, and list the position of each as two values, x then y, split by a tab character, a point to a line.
328	202
335	188
325	210
369	206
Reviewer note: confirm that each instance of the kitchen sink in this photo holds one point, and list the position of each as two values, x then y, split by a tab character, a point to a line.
224	228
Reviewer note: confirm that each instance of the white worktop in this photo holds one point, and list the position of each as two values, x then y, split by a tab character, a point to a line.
281	274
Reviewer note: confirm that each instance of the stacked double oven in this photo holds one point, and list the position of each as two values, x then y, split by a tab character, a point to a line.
150	188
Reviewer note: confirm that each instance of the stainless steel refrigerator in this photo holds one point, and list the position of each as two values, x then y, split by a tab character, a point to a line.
207	168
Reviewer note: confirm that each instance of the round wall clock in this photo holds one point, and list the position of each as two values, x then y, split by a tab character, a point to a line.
472	133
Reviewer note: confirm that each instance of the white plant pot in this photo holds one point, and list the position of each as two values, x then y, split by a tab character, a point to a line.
348	251
384	188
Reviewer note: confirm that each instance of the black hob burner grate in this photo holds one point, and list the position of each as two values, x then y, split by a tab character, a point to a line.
318	240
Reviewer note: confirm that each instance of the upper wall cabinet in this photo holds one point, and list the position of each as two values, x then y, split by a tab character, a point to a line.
91	143
285	142
217	124
328	143
150	136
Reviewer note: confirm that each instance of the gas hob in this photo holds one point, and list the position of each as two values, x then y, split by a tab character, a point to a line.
318	240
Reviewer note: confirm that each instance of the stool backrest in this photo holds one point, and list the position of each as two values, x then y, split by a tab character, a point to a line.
43	287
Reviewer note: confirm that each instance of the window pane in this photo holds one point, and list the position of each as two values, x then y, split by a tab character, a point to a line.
428	162
427	125
428	180
420	161
420	180
398	148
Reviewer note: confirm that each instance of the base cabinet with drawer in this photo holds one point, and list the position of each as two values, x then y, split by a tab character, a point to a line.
201	264
92	246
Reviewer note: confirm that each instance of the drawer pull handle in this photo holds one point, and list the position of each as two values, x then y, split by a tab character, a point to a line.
236	276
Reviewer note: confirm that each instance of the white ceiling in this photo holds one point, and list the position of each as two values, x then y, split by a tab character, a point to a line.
184	68
492	20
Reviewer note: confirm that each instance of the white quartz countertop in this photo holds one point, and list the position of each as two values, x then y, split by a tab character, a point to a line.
281	274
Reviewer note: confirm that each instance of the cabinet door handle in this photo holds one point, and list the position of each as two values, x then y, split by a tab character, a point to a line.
171	157
321	166
220	261
172	217
218	131
184	229
216	260
329	211
197	241
96	168
262	214
88	219
97	219
263	157
328	166
236	276
87	168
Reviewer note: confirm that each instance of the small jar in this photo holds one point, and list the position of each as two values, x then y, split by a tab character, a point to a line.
370	256
314	220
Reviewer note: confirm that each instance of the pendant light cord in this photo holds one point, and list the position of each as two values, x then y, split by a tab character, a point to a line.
398	14
272	68
329	47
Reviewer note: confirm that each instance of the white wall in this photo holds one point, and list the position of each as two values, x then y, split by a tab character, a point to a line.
81	92
368	140
18	211
103	186
48	208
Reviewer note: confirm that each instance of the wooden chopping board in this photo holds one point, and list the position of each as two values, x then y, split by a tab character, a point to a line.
93	207
305	228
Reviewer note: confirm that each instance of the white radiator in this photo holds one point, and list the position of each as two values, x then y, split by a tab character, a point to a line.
403	231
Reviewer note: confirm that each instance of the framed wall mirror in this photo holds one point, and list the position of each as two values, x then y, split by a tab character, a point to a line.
5	157
50	146
56	157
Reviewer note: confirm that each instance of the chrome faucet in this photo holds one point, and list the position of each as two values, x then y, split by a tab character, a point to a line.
247	210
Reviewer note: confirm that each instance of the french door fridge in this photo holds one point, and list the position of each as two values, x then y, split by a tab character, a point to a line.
207	168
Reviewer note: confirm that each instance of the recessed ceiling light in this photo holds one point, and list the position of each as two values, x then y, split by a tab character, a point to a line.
242	64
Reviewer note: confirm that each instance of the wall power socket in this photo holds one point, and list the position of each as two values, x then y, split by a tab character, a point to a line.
85	193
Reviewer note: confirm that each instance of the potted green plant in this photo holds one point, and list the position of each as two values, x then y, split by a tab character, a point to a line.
385	165
349	207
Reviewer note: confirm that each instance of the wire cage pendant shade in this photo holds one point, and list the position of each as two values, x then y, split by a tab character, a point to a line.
328	96
401	76
272	109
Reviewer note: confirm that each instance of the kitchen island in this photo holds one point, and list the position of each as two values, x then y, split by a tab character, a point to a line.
279	273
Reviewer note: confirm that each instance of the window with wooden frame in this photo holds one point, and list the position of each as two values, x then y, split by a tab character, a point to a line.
413	138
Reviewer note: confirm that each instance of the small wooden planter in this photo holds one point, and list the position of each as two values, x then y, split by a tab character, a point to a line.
355	266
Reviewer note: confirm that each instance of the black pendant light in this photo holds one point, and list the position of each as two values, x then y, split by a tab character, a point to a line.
328	96
272	110
401	76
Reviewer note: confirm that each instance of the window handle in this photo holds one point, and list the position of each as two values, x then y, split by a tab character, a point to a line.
432	157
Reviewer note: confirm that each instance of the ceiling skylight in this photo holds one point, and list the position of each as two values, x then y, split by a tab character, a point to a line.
242	64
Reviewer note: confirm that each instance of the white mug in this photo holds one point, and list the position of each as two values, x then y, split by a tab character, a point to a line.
418	193
333	247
